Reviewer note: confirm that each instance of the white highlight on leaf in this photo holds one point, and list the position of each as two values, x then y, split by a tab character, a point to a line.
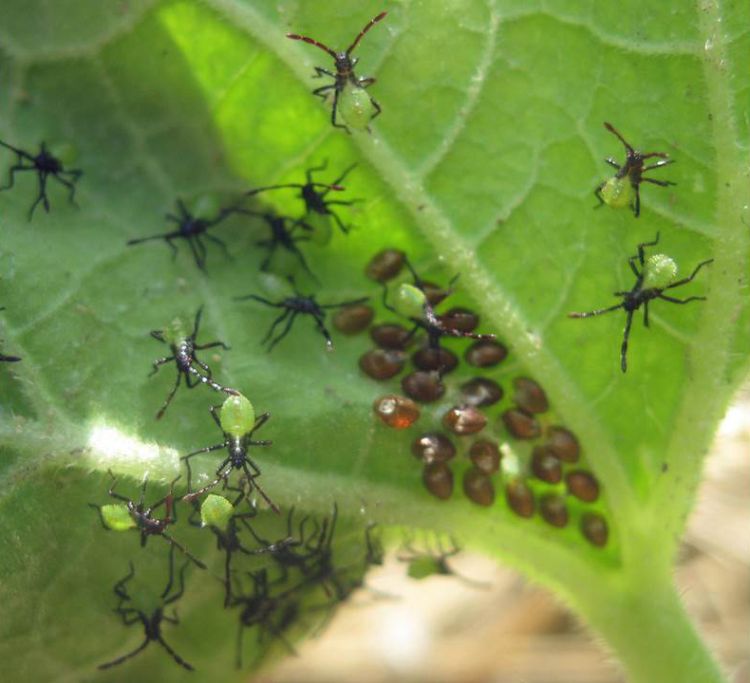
109	447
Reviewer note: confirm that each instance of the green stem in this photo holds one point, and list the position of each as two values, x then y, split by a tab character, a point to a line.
647	625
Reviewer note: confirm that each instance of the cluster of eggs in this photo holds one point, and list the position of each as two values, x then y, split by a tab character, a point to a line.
538	462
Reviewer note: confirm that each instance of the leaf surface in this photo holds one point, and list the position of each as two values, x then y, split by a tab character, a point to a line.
483	163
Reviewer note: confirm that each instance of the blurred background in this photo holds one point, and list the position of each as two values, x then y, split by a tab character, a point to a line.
444	630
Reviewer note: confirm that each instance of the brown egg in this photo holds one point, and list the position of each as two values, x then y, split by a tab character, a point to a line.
398	412
385	265
481	391
460	319
563	443
529	396
433	447
353	319
463	420
553	510
521	425
485	455
382	364
478	487
424	387
485	353
440	360
583	485
594	528
546	466
390	336
438	480
520	498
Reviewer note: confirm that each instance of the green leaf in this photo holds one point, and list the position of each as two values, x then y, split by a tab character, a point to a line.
483	164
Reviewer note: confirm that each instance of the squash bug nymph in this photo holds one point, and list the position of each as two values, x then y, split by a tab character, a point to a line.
237	421
623	189
152	621
358	114
295	305
183	347
654	276
45	165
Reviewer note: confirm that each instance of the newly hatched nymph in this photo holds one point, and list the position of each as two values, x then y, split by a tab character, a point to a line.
193	229
237	421
358	107
151	621
623	189
183	349
412	303
654	276
45	165
295	305
138	516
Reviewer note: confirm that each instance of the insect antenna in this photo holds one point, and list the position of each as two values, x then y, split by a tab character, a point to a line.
312	41
618	135
362	33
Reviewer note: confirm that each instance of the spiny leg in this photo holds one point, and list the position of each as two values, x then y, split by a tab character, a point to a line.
211	345
168	587
42	196
119	587
660	183
674	300
658	164
335	108
12	173
222	245
376	105
324	165
350	302
174	655
624	347
692	275
324	331
166	403
124	658
199	260
598	311
69	184
286	314
111	492
642	247
636	206
159	362
284	332
186	458
322	93
182	549
201	249
252	478
302	260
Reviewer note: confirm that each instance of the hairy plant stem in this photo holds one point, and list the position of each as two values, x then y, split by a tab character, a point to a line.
647	625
